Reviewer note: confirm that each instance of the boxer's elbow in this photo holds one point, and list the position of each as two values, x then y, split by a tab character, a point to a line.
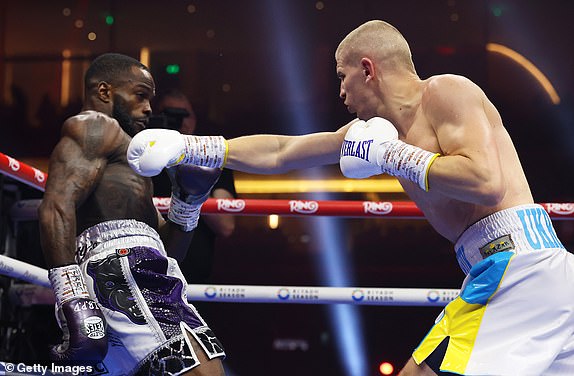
490	190
51	212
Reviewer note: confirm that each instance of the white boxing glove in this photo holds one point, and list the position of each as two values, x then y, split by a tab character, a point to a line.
359	150
152	150
372	147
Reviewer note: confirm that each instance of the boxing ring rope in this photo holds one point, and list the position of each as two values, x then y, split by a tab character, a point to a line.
397	209
27	210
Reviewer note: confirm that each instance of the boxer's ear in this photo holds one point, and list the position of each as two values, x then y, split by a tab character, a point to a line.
104	91
368	68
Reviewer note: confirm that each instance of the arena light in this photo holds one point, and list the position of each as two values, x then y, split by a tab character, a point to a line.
345	320
65	79
327	234
273	221
172	68
386	368
519	59
144	56
247	184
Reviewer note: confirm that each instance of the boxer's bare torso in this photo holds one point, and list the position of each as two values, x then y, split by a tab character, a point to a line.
451	216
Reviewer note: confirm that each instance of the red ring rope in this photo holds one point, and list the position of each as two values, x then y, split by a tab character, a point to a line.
399	209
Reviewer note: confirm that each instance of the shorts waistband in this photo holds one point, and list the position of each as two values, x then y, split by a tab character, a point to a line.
518	229
103	232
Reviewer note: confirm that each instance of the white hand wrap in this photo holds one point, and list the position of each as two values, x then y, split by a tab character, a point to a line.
206	151
403	160
68	283
184	214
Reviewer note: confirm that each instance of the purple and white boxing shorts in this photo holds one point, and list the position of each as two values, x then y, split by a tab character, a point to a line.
141	292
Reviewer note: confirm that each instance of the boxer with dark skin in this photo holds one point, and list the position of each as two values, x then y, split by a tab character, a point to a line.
90	182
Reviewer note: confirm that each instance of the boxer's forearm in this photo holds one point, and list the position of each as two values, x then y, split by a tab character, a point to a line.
274	154
57	233
176	241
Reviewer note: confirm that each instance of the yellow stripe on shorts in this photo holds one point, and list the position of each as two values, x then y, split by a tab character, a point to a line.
460	321
461	318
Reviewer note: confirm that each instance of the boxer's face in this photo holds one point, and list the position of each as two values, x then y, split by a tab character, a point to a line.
355	87
131	101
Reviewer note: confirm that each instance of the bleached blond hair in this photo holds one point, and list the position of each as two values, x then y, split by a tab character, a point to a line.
379	41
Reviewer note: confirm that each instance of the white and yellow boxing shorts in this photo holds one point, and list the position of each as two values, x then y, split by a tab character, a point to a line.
515	312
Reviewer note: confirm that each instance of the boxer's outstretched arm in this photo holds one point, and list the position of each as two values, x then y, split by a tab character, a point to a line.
273	154
151	150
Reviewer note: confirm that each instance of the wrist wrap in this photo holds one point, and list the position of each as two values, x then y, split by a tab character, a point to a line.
185	213
206	151
68	283
400	159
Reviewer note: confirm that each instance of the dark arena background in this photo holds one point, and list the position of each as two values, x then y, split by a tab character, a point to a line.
267	66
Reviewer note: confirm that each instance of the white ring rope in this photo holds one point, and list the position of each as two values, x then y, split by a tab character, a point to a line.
322	295
271	294
24	271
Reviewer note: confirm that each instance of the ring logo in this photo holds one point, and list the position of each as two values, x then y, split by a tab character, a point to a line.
303	207
377	208
562	209
39	175
433	296
233	293
379	295
283	293
14	164
358	295
5	267
233	206
210	292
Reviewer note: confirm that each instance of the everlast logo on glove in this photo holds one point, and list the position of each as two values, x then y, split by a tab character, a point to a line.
359	149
